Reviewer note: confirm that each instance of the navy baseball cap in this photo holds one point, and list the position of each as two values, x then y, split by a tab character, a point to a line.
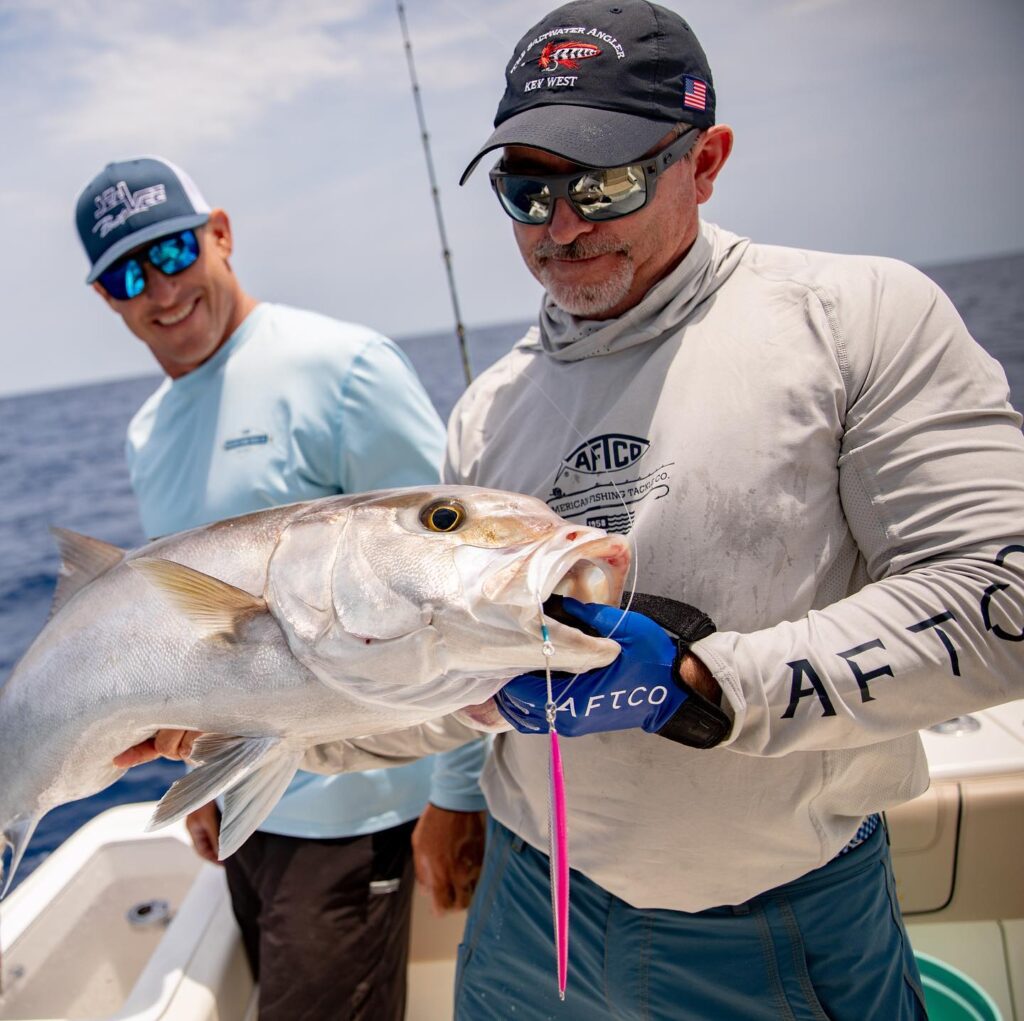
600	82
133	201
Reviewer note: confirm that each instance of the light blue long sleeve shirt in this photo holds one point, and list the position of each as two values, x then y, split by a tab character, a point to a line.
296	406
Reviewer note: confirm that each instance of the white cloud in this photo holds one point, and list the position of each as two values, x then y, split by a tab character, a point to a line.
195	79
189	73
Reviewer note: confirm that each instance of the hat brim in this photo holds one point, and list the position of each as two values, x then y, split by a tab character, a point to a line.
140	237
584	135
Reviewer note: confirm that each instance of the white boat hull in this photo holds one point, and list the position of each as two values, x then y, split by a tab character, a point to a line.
71	953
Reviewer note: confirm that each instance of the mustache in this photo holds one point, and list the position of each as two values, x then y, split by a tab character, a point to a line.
581	248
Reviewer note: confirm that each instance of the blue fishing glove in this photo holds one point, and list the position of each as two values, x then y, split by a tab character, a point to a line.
640	688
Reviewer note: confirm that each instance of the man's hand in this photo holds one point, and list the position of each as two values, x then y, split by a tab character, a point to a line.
448	853
639	689
203	827
171	744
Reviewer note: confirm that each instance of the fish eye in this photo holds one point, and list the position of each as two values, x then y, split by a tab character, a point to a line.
442	517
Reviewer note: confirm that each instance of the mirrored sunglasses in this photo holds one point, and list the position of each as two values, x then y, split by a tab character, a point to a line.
171	254
595	194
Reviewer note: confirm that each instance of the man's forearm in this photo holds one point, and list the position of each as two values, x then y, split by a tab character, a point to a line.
699	677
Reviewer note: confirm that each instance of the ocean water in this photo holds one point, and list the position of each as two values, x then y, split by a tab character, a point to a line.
61	463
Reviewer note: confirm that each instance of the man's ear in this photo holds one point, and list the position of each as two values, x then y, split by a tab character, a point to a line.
715	147
218	232
102	292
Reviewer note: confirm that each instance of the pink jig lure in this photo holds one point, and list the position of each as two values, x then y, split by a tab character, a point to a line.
558	834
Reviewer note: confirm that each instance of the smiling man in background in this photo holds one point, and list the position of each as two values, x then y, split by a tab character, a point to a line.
265	405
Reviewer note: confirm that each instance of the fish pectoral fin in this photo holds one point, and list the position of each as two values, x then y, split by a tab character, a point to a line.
82	560
248	803
16	834
225	762
214	607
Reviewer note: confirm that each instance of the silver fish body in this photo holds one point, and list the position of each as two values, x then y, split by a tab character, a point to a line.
273	632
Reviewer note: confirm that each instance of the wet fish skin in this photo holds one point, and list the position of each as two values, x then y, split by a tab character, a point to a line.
275	631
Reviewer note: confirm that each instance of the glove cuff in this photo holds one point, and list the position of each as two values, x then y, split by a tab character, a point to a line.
698	722
681	620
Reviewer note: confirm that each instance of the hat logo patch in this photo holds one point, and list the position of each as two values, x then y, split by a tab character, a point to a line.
128	203
566	53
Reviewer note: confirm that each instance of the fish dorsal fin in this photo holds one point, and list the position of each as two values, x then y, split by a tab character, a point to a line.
213	606
17	834
223	762
82	560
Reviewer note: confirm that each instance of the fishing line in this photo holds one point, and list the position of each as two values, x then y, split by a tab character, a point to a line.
625	506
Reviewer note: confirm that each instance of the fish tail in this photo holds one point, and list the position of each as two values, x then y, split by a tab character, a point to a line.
3	885
16	835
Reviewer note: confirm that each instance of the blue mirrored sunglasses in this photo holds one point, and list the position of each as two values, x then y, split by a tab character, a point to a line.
171	254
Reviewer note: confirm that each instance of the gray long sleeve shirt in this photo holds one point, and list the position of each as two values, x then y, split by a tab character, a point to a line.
812	449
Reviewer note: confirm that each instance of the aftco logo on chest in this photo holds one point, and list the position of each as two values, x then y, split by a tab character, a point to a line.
612	452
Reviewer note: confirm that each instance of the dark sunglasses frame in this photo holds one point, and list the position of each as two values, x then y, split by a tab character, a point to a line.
114	277
559	186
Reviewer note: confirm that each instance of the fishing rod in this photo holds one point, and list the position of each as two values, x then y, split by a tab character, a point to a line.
460	331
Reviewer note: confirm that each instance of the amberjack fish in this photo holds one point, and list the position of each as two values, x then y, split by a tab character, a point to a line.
273	632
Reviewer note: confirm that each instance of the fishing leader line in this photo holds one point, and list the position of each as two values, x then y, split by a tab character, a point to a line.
635	565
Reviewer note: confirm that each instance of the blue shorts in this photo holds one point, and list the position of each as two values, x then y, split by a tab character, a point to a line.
829	946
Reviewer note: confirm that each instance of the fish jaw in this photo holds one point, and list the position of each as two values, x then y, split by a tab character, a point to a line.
583	564
507	595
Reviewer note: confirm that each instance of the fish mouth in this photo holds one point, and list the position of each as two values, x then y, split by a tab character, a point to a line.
593	571
579	563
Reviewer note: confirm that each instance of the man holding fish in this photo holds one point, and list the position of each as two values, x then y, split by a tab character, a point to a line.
812	450
264	405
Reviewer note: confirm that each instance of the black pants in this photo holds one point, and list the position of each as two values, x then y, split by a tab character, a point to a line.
326	923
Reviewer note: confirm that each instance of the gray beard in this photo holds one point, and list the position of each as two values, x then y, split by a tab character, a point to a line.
586	300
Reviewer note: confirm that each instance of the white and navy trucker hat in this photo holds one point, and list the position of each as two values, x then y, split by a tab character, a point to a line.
133	201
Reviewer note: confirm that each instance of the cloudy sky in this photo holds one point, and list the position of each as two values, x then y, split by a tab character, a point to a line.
885	126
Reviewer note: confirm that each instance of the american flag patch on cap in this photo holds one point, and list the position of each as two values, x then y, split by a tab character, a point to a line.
695	93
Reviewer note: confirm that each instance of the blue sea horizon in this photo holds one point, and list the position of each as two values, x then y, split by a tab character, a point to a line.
62	463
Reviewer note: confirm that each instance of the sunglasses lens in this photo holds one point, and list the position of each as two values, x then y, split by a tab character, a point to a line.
595	195
134	278
607	194
525	199
174	253
124	279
